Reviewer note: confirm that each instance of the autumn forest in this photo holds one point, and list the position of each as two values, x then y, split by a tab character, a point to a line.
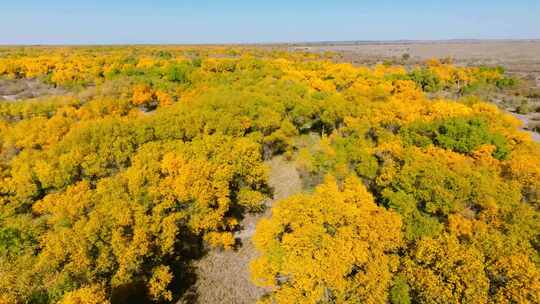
142	159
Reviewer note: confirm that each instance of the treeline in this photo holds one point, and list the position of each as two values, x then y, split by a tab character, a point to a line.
156	153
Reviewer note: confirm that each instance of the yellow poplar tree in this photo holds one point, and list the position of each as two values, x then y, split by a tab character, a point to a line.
335	245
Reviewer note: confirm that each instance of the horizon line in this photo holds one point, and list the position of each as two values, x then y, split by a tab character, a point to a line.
287	43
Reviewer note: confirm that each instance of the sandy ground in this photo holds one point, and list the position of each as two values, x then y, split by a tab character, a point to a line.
20	89
517	56
527	121
223	276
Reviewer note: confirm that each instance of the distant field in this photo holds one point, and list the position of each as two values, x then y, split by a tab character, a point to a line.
517	56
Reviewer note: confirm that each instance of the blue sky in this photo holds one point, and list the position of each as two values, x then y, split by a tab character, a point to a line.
167	21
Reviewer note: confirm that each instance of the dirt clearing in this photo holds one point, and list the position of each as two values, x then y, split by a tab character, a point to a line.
223	276
20	89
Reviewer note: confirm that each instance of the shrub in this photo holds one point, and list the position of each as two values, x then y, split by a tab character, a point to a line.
405	56
463	135
506	82
524	107
179	73
426	79
399	293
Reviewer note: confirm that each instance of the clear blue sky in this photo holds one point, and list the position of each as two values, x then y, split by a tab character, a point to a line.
168	21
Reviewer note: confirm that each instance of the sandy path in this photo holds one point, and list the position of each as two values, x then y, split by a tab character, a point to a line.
526	121
223	276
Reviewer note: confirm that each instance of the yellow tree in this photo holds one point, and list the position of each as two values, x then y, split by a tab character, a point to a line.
444	271
334	245
86	295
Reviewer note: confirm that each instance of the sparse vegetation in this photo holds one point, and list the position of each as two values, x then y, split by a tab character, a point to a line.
405	56
524	107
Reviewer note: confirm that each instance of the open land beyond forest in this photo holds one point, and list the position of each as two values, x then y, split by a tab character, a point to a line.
518	56
319	173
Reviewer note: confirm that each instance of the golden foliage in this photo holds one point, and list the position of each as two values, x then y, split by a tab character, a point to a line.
85	295
157	151
443	271
334	245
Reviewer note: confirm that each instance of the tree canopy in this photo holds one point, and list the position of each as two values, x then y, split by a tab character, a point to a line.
153	154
